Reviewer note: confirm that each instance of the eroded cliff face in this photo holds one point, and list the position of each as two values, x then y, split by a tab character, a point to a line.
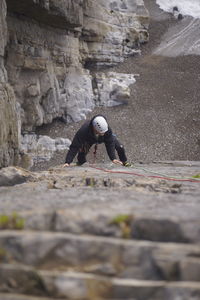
49	46
9	142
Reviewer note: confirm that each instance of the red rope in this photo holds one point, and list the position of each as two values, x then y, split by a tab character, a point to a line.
95	153
142	175
136	174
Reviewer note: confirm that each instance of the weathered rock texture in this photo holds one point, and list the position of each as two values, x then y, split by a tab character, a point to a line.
48	46
8	107
181	40
87	234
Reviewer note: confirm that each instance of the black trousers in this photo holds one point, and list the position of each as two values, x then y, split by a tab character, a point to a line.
85	149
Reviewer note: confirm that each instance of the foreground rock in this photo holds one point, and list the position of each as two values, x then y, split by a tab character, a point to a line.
180	39
4	296
140	203
101	232
9	135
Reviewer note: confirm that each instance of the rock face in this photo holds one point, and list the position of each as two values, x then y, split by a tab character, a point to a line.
47	53
40	148
180	40
113	27
87	233
8	107
48	45
112	88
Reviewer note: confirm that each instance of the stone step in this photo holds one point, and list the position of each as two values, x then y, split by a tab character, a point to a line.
100	255
115	223
74	285
6	296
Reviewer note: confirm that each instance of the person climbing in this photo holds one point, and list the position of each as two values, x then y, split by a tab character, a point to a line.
95	131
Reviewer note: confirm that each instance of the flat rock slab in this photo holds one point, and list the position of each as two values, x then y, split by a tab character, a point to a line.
157	202
142	189
101	255
14	175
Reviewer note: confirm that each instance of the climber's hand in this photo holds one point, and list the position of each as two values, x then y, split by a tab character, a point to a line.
116	161
65	165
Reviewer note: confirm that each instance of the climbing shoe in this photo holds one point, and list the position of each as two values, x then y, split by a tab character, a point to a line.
127	164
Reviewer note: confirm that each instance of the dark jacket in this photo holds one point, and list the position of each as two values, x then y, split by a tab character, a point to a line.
85	136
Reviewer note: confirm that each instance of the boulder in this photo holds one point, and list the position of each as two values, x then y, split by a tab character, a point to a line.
14	175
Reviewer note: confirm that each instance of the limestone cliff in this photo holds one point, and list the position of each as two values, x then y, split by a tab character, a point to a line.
49	47
8	106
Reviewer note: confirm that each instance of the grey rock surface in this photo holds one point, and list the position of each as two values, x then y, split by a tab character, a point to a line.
11	176
108	233
47	52
74	200
71	280
181	39
113	88
48	47
11	296
3	28
40	148
161	118
9	118
76	285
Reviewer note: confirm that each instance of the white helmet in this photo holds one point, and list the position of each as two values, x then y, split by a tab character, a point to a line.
100	124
